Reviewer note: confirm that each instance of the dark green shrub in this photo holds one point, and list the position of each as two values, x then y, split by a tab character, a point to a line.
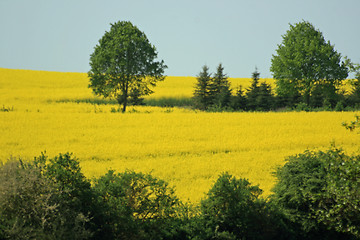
300	179
30	206
138	206
339	206
65	170
233	210
314	189
77	195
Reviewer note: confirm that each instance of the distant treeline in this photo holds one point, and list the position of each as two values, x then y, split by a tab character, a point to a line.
316	197
213	93
306	67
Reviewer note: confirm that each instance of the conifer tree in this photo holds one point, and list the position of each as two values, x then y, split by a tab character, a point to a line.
220	91
265	100
259	96
253	91
201	93
255	78
238	102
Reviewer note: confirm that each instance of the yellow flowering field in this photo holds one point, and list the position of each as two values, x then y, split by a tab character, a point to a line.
187	148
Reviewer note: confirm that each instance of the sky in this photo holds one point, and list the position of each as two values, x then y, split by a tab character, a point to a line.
55	35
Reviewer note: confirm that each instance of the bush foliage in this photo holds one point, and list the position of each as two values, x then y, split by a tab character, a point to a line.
320	192
37	204
316	197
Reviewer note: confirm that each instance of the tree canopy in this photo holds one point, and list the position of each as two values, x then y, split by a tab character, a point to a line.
124	64
304	61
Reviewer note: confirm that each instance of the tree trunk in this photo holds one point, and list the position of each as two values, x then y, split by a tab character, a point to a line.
307	97
124	105
126	95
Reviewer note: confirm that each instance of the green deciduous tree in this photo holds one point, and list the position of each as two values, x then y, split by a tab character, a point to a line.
305	60
124	64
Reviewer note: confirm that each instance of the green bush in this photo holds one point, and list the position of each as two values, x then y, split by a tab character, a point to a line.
317	196
320	192
339	205
50	198
77	195
137	205
233	210
30	206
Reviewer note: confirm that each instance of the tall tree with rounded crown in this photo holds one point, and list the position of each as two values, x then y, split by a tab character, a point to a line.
123	63
305	60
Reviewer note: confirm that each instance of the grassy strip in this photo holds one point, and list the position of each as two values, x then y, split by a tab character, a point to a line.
169	102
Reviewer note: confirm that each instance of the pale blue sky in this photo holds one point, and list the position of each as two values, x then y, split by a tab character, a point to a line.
59	35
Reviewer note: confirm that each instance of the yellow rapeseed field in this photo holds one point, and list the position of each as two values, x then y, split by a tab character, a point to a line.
187	148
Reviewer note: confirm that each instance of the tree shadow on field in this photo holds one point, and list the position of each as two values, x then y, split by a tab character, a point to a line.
94	101
154	102
169	102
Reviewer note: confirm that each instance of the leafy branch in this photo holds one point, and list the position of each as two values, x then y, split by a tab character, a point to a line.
353	124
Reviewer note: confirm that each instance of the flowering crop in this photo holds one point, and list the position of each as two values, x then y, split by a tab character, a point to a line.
187	148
